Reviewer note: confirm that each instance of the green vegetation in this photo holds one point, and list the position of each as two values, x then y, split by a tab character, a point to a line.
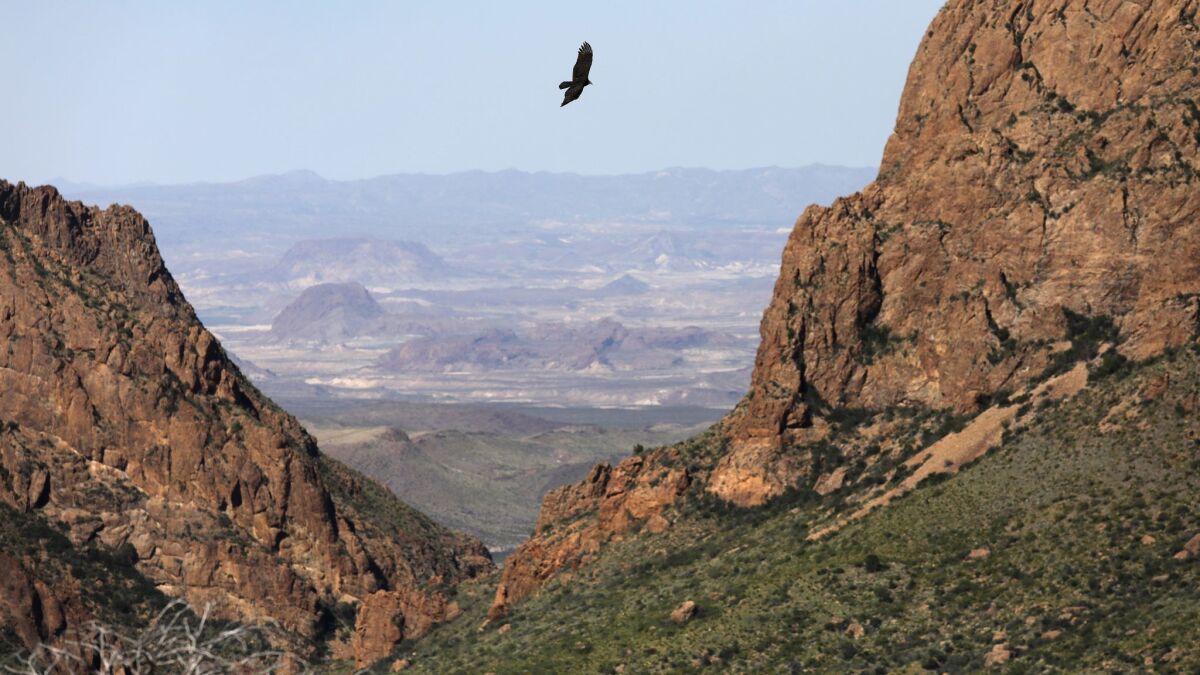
489	484
1080	528
1086	334
381	514
878	341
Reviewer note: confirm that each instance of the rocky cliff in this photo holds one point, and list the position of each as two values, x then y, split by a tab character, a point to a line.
126	425
1039	193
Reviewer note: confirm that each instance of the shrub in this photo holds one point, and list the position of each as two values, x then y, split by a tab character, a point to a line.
1112	364
175	641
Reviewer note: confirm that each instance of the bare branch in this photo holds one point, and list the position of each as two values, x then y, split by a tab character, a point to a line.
176	640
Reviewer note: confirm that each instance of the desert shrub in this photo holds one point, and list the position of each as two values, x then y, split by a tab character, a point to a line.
1086	334
175	641
1112	364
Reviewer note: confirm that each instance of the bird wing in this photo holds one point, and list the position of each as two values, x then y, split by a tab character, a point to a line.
572	94
583	63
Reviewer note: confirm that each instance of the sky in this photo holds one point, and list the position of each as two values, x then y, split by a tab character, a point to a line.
114	92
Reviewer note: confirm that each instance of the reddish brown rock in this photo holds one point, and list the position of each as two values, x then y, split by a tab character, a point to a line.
125	421
1043	167
981	553
998	656
1190	550
686	611
1044	160
29	606
380	625
612	501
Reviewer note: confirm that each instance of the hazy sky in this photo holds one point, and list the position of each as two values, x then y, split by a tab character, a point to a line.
116	92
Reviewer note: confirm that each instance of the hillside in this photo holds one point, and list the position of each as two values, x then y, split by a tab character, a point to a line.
1074	546
485	483
129	435
992	346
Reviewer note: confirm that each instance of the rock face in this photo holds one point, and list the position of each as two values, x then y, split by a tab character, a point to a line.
1043	163
30	607
125	422
1040	185
632	492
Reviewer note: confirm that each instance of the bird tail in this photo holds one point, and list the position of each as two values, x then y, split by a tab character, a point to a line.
564	85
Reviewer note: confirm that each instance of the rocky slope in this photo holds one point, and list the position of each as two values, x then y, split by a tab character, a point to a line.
1073	547
1044	162
126	426
483	483
1036	206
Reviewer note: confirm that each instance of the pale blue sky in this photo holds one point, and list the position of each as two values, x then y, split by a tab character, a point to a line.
116	92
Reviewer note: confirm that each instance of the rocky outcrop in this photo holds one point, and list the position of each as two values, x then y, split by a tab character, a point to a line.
1043	166
1190	550
125	422
1039	193
686	611
577	519
29	606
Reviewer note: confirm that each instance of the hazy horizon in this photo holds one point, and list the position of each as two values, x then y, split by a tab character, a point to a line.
147	93
59	181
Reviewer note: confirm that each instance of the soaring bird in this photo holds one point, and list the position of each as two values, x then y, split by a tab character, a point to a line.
579	78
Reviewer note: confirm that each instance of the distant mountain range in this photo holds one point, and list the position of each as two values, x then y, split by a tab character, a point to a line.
434	208
599	345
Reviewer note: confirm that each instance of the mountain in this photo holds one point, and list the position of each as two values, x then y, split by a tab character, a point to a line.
327	312
376	262
972	429
1033	202
626	284
447	207
604	344
131	441
335	312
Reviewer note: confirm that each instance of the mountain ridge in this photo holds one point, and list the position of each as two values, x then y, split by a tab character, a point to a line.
128	426
434	208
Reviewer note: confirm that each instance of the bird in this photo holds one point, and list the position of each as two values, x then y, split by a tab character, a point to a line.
579	77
